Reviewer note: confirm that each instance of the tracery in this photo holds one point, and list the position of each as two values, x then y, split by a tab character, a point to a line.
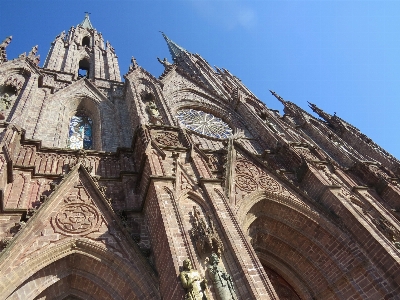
204	123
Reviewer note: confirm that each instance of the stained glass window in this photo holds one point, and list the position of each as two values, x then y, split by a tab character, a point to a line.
204	123
80	133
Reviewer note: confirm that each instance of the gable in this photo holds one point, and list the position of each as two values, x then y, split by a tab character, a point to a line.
76	214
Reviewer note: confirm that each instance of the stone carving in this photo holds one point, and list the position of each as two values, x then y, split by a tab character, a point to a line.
77	218
4	242
134	65
109	47
164	62
168	139
221	280
384	226
204	234
3	46
16	81
306	153
154	114
32	55
250	178
194	284
5	101
329	175
263	114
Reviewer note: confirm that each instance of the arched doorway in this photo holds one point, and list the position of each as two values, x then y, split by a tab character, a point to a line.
305	251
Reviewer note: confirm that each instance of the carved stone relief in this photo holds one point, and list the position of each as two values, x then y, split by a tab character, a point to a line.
250	178
15	80
78	216
330	177
383	225
167	138
204	234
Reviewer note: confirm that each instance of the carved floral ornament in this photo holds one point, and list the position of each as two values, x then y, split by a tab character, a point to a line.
78	216
250	178
168	139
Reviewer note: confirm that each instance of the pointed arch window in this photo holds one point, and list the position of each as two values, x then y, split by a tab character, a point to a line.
86	41
84	68
80	132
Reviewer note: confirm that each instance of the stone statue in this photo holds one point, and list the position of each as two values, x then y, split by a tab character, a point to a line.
221	280
134	65
194	284
164	62
153	112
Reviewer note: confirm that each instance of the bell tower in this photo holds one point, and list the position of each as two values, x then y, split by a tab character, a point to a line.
81	52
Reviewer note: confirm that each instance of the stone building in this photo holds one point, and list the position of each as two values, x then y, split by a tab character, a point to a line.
140	189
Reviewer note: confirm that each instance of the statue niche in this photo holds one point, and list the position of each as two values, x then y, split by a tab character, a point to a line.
192	282
204	235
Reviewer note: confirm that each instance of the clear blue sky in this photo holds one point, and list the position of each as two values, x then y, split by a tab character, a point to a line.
343	56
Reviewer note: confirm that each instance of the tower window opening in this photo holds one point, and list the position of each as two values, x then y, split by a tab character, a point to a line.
84	68
86	41
80	132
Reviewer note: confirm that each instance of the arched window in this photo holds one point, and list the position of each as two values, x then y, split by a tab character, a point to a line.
80	132
86	41
84	68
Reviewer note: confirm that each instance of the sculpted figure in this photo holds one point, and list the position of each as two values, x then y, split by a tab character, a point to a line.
193	283
164	62
221	280
153	112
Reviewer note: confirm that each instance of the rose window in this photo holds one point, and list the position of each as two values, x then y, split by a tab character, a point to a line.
204	123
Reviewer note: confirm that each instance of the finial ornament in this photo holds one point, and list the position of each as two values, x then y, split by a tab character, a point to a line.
278	97
3	46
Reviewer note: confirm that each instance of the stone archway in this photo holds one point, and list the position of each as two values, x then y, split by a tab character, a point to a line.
317	259
80	270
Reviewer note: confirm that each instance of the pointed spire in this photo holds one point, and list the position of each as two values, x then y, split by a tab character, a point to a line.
319	112
278	97
86	22
173	48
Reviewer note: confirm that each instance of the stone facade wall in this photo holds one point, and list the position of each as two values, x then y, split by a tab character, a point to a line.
291	205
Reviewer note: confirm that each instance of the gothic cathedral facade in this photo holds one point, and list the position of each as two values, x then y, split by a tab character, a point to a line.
184	186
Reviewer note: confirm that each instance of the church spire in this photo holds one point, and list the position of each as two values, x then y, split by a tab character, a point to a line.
173	48
320	112
86	22
278	97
